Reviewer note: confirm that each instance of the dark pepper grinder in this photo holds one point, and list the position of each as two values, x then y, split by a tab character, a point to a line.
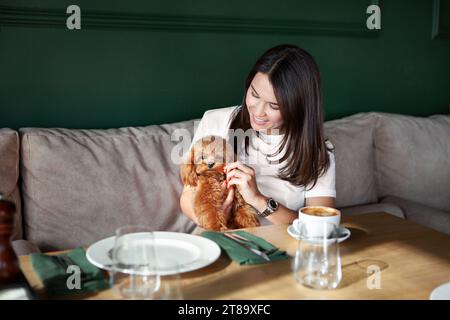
9	264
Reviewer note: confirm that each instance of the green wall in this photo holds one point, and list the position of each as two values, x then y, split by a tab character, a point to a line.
150	62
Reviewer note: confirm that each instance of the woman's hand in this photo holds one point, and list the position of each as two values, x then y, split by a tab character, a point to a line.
244	178
229	201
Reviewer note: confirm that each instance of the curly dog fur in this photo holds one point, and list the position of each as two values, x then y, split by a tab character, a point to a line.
204	169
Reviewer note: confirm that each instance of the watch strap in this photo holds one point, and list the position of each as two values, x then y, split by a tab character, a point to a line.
268	211
265	213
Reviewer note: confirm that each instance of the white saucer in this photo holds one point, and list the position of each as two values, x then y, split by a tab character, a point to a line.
441	293
343	232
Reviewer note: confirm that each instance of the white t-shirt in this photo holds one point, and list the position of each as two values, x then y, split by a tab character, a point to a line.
217	121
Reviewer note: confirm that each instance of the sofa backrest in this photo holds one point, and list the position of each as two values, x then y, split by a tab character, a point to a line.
9	173
413	158
78	186
352	138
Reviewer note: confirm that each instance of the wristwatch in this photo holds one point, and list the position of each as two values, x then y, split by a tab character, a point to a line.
272	206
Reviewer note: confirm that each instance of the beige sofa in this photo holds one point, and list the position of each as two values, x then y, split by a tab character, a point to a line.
74	187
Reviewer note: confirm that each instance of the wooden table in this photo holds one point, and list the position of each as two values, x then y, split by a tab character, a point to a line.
414	260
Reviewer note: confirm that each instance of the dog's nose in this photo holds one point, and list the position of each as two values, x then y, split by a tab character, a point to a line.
210	165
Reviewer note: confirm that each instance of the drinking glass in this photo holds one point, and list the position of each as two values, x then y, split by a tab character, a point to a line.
317	263
170	287
134	270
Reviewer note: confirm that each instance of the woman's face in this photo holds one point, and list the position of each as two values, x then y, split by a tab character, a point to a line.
262	105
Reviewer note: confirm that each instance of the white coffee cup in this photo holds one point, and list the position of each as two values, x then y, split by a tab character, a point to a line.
312	216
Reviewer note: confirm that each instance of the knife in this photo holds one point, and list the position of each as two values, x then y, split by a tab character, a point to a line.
243	244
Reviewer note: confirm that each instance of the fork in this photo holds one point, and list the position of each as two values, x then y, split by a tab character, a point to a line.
246	246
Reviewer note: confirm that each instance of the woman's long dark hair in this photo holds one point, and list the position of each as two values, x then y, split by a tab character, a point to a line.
296	82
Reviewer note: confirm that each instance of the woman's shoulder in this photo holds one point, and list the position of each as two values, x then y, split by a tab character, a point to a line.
214	122
219	115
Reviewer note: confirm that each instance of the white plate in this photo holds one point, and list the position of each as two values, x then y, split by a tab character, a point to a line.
189	252
343	231
441	293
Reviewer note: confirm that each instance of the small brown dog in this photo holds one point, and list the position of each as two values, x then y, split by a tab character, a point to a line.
204	169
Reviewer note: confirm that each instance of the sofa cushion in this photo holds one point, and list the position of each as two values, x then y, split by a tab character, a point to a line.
352	138
9	173
23	247
413	158
80	185
433	218
387	207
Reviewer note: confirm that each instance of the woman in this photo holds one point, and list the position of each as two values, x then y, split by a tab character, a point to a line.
287	164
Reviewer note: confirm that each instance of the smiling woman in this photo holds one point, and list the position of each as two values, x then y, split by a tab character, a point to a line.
287	163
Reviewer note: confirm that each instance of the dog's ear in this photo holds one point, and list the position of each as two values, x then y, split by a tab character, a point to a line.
187	170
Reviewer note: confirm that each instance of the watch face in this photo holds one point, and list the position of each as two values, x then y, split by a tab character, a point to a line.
272	204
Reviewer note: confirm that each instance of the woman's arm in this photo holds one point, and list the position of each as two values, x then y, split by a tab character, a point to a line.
187	203
321	201
284	215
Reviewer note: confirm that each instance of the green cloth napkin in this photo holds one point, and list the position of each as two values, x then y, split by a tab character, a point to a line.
54	276
241	255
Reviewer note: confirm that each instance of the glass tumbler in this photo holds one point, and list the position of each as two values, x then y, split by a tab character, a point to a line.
317	263
170	286
134	270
